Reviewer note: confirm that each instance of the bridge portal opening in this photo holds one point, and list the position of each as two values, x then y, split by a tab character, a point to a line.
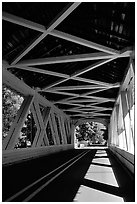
90	134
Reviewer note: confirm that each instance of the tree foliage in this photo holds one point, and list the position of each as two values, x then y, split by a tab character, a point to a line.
91	132
11	102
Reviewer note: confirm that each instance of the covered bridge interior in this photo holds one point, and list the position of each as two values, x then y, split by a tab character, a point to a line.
71	63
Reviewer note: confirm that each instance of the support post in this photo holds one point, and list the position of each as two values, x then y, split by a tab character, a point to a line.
55	128
52	130
63	130
72	130
124	111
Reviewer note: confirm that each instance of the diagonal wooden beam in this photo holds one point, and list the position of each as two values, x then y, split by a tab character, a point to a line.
67	58
79	87
42	71
72	58
23	22
77	95
86	95
83	42
54	24
75	75
38	27
91	114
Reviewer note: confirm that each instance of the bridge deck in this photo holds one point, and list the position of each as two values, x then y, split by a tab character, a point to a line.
77	175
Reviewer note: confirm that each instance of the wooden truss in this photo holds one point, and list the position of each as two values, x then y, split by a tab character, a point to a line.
103	53
32	102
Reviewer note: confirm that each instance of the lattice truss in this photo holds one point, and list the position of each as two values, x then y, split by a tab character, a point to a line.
77	76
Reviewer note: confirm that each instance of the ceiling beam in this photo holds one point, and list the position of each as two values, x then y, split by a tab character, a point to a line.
38	27
67	58
86	95
93	108
54	24
79	87
92	114
77	95
91	67
83	42
93	97
91	81
42	71
86	109
72	58
23	22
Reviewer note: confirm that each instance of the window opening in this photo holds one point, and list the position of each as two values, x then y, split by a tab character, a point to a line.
27	132
11	103
90	134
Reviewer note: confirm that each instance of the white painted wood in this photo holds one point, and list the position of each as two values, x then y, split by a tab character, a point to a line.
77	79
33	110
12	81
93	66
42	71
43	134
90	114
125	157
76	87
66	59
63	129
52	130
77	95
91	81
73	58
86	109
55	128
22	22
93	97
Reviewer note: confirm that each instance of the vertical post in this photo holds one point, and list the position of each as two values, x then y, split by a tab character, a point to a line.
52	130
55	128
117	120
124	111
33	110
128	106
72	130
63	130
